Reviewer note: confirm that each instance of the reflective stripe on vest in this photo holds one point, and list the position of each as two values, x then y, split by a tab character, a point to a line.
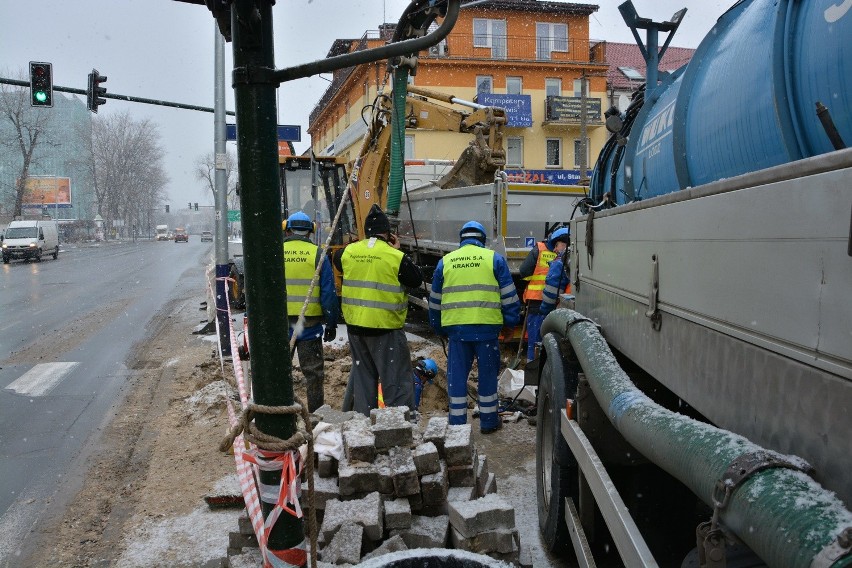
471	293
300	260
536	285
371	294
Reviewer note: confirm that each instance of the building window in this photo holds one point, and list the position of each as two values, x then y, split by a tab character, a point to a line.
553	151
346	116
552	87
514	85
490	33
409	146
578	88
578	153
515	151
549	38
484	84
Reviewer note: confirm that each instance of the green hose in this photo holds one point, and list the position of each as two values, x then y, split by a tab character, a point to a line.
785	516
397	144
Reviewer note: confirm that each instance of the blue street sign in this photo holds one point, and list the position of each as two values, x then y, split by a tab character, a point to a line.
286	132
529	242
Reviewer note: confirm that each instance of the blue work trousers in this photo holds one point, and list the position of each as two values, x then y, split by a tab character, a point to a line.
534	321
459	363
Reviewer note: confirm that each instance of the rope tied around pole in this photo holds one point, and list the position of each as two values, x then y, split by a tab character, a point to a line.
251	433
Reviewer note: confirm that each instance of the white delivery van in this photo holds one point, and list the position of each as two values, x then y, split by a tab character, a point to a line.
31	239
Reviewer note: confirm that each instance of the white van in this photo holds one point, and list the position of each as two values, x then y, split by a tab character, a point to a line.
30	239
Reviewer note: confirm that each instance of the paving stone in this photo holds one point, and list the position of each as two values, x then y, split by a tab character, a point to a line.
525	559
393	544
433	509
458	445
333	416
405	481
367	512
461	493
461	476
416	502
502	541
433	487
246	558
238	540
377	414
391	428
359	444
326	465
245	523
397	514
481	467
426	459
427	532
383	468
487	513
325	488
436	432
491	484
345	547
356	476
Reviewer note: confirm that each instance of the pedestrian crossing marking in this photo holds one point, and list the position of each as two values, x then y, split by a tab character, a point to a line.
42	378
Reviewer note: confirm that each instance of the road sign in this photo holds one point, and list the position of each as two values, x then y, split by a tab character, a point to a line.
286	132
529	242
233	215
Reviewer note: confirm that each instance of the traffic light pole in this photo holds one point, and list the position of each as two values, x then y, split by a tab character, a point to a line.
263	252
221	193
127	98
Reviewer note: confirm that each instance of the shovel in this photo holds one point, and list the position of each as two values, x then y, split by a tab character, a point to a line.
516	362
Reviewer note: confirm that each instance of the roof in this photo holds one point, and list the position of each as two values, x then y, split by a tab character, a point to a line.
628	56
537	6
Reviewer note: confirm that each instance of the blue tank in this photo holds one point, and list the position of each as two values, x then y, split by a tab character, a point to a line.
745	102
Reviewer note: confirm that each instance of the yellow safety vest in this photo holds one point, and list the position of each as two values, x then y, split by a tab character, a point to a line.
299	267
471	293
536	286
371	293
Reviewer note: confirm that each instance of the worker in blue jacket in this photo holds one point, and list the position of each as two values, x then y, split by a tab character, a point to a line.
301	257
558	281
473	297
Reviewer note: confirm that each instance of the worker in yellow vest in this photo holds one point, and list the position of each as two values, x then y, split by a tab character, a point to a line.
301	258
534	268
375	304
473	297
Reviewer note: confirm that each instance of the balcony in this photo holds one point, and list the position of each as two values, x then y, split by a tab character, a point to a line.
567	111
518	48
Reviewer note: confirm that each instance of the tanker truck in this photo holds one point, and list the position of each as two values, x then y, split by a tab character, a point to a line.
695	393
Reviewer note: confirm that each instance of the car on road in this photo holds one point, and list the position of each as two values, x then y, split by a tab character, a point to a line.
206	236
181	236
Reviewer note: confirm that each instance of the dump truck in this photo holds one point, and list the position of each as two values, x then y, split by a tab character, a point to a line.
695	394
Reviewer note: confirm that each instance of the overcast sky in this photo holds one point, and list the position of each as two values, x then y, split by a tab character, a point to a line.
163	49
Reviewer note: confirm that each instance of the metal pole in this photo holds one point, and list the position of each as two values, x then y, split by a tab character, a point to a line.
221	193
263	251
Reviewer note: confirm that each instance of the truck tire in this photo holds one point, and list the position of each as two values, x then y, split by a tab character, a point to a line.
556	468
56	252
5	260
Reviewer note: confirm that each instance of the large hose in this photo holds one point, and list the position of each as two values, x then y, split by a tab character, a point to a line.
785	516
397	144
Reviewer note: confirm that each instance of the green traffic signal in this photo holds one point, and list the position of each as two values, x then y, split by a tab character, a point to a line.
40	96
41	84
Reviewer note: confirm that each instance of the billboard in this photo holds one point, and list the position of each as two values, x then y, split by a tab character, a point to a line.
47	191
518	107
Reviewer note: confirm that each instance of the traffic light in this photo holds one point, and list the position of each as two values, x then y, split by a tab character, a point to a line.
94	92
41	84
167	208
196	206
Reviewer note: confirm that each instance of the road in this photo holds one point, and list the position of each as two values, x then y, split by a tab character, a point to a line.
68	332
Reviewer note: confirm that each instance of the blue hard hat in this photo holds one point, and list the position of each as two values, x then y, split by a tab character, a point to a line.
427	367
299	221
473	230
559	235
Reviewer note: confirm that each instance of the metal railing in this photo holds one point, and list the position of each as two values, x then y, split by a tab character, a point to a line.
518	48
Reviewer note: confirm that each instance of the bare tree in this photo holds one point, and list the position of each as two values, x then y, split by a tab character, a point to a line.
29	127
127	167
205	172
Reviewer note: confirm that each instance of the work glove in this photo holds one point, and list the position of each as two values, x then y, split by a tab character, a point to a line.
330	333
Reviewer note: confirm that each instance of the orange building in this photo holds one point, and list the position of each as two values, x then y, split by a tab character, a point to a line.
528	56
